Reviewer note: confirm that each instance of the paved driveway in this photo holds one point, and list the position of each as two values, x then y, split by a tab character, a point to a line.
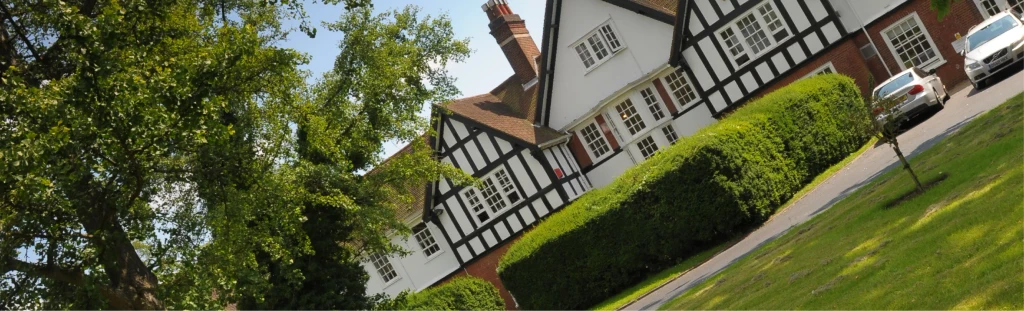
966	104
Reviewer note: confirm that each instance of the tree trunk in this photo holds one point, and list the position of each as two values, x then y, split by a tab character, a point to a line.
132	286
906	165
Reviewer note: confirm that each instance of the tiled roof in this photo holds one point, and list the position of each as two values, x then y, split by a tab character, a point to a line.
508	109
664	6
408	212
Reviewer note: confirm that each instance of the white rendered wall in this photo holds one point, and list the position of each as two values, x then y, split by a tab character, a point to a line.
415	271
574	90
856	13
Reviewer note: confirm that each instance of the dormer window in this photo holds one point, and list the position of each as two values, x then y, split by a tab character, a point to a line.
598	45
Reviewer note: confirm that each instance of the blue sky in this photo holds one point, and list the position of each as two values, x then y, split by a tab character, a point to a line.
482	71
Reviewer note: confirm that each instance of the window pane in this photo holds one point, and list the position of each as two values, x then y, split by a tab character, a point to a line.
753	34
647	147
670	133
910	44
384	268
610	37
594	140
597	45
990	7
491	196
426	240
507	187
1017	6
653	104
731	42
634	123
585	56
473	199
773	21
680	87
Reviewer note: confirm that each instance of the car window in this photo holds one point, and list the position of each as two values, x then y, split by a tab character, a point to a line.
989	32
919	72
894	85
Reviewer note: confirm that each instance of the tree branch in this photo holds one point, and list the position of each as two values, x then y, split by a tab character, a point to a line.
17	29
69	276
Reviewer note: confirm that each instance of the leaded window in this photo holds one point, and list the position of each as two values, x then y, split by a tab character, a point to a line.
595	140
634	123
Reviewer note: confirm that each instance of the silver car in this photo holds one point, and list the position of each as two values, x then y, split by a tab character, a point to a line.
993	46
914	90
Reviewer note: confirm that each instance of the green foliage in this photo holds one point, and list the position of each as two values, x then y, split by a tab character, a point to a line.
460	293
942	7
688	198
148	160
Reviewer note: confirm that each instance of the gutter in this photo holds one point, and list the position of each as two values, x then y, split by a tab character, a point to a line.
552	18
678	35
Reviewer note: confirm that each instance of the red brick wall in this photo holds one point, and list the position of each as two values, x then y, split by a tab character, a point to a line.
847	59
486	268
962	15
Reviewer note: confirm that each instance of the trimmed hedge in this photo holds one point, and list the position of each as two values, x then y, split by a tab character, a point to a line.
721	181
461	293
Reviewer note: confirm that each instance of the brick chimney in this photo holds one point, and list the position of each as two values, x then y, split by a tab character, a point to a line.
510	32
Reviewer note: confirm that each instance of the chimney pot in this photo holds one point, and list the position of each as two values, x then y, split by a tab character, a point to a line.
509	30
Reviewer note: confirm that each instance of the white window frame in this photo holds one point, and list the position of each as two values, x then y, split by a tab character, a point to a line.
600	136
773	43
468	194
386	263
654	144
818	70
424	245
1002	5
680	104
601	36
939	60
669	128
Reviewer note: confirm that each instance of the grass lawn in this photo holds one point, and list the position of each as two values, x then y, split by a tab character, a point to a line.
652	282
957	246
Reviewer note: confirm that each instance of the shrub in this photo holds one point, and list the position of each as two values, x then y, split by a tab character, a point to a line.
706	188
461	293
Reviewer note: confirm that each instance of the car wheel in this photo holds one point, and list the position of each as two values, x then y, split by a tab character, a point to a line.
945	95
940	102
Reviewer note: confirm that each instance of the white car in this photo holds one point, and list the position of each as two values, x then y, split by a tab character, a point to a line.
992	46
914	90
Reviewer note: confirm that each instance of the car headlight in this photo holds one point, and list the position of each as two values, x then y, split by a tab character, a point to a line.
972	64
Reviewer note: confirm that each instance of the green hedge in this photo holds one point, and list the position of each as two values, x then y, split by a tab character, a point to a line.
461	293
706	188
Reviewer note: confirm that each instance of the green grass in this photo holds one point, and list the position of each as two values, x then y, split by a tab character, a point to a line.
652	282
957	246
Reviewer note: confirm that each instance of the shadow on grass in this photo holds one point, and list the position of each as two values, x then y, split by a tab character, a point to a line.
913	193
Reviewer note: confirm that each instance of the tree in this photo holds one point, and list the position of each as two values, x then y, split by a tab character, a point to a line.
886	126
147	157
390	65
942	7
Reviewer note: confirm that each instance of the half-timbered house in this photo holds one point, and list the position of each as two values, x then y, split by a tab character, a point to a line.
615	81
